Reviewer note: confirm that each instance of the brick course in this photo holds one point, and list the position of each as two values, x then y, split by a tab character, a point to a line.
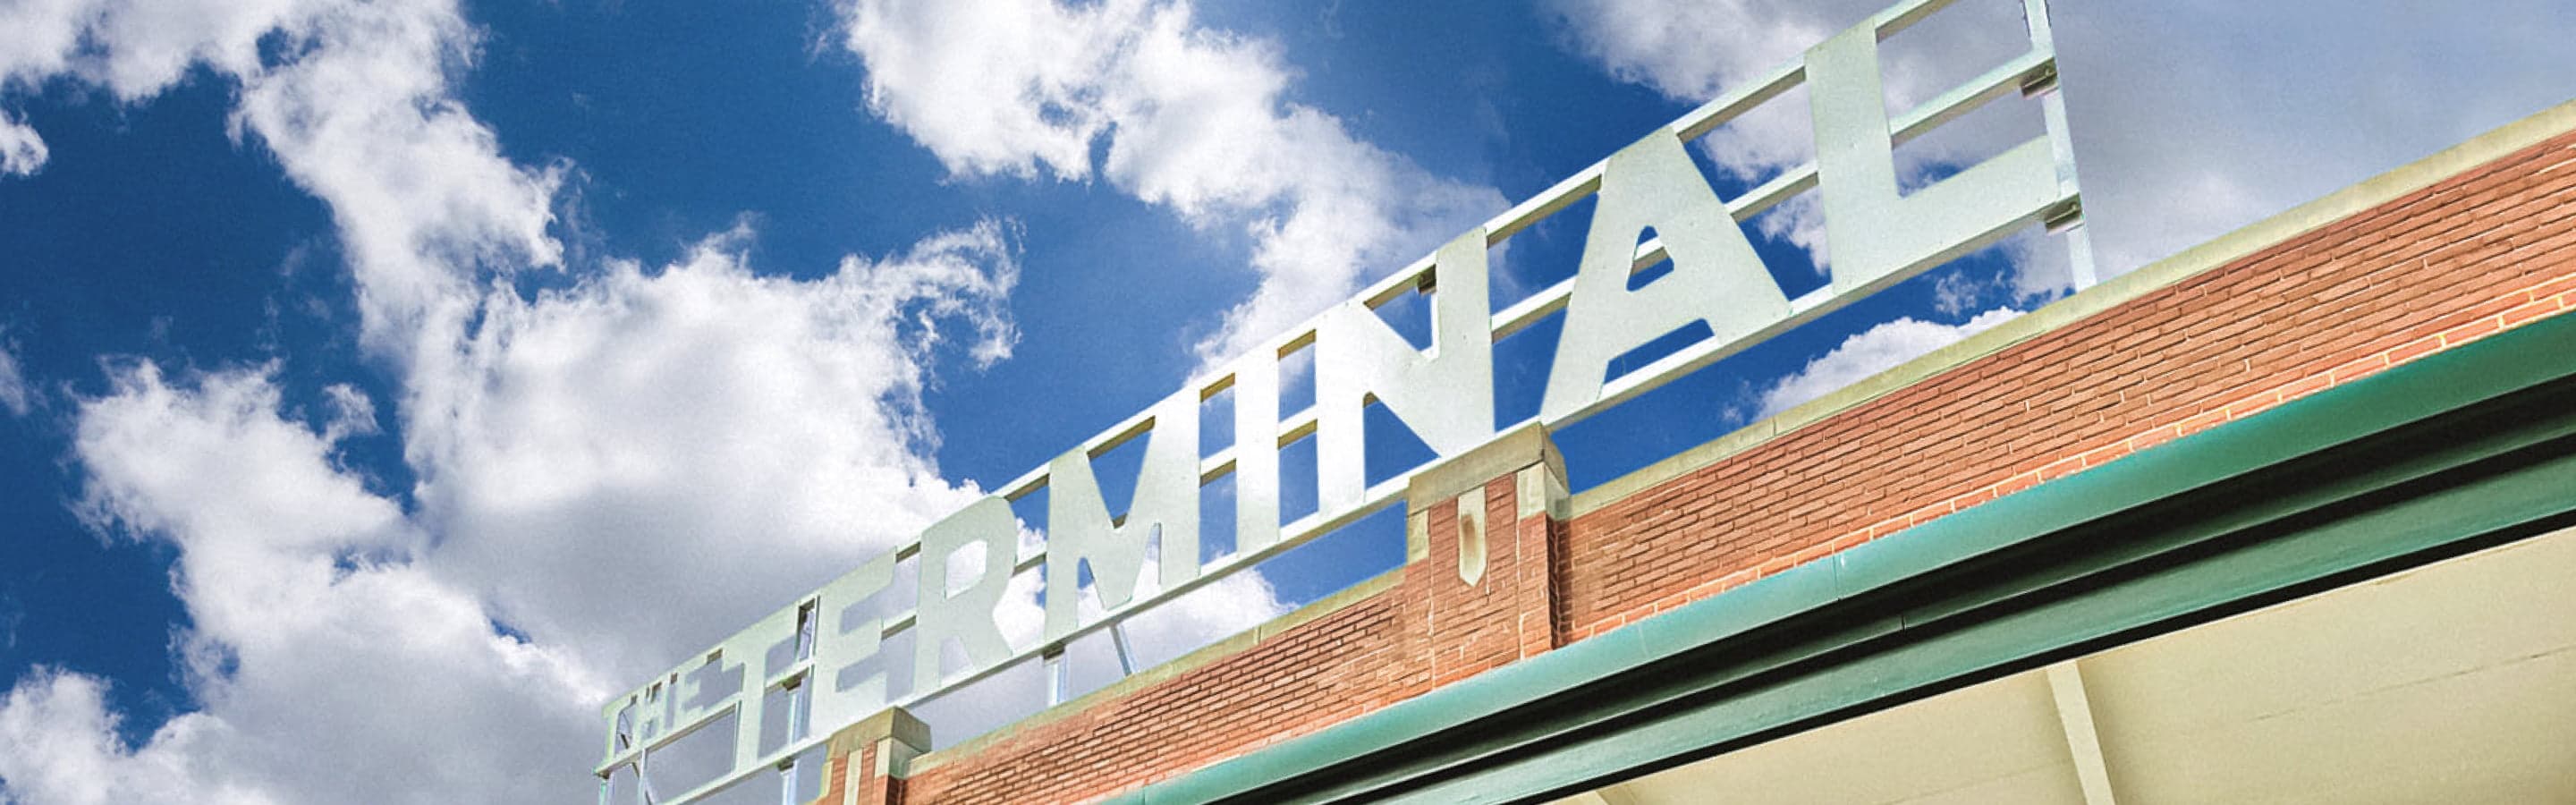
2463	258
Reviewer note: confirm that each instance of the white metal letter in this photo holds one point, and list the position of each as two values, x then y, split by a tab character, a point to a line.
1446	395
1877	237
1716	277
1080	529
1256	451
967	616
848	637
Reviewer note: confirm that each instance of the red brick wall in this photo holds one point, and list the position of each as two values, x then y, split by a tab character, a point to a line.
2489	249
872	789
1349	662
1506	615
1305	678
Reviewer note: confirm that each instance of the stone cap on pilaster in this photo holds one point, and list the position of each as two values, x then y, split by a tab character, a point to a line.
1510	452
892	722
1507	453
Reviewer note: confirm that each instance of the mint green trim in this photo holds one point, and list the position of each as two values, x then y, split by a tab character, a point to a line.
2443	454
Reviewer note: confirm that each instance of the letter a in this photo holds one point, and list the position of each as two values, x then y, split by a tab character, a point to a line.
1716	277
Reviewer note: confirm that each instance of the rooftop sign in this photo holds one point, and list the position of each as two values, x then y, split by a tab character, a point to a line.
799	668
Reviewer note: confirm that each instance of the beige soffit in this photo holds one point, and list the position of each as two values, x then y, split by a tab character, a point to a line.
2451	682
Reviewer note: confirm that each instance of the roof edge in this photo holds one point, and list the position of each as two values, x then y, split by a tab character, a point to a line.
2405	399
2243	242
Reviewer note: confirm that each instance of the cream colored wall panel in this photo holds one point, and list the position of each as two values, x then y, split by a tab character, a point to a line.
2434	621
1995	743
2455	682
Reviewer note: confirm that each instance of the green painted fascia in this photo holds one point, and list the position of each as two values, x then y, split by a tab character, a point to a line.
2015	641
2108	614
2402	395
2275	441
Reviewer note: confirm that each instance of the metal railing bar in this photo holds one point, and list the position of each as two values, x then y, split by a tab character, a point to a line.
2027	73
2004	80
1304	530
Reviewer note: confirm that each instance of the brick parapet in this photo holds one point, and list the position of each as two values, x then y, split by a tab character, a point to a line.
1479	596
868	759
2487	250
2452	262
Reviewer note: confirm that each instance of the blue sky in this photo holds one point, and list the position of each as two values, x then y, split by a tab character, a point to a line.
385	384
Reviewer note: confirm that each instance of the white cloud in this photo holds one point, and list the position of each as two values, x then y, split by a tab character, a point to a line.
38	38
1870	352
21	150
62	749
1690	50
643	464
14	394
1694	51
423	199
624	471
213	458
358	109
725	439
331	667
1194	118
1222	609
137	49
350	413
991	88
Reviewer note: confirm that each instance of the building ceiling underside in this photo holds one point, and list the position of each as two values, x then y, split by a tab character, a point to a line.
2452	682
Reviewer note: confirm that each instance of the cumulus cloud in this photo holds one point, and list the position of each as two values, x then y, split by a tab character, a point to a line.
136	50
357	108
722	439
364	119
14	394
21	150
316	645
1694	51
717	437
1867	353
349	412
1690	50
1193	118
61	734
707	434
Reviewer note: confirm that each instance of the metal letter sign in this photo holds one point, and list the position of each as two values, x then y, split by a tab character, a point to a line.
1716	277
843	695
964	616
1447	397
1877	236
1080	530
804	665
